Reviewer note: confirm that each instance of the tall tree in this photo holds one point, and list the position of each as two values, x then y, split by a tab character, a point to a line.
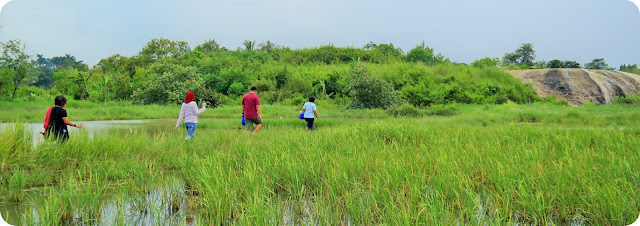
208	46
555	64
571	64
17	61
161	47
597	64
267	46
523	55
249	45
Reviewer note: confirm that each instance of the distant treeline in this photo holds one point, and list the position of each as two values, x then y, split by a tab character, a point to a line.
374	76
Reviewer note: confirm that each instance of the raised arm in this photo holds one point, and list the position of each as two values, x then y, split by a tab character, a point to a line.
198	112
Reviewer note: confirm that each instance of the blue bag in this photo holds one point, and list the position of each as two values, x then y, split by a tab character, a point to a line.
242	120
301	116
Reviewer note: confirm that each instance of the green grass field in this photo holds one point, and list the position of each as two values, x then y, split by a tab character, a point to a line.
499	164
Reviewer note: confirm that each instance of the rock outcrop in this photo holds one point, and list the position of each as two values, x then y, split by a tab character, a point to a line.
578	86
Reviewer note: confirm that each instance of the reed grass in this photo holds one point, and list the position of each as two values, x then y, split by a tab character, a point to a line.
508	164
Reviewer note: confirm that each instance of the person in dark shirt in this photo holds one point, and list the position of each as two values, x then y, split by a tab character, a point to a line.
58	121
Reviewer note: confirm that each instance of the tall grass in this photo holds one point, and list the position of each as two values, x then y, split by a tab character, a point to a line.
533	164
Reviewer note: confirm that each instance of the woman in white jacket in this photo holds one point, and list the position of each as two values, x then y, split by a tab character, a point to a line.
190	114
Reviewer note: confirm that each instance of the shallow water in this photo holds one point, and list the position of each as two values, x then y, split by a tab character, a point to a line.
93	128
164	204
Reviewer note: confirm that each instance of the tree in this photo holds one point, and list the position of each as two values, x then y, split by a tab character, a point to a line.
571	64
425	54
83	78
384	51
630	68
597	64
555	64
161	48
17	61
208	46
523	55
249	45
267	46
170	85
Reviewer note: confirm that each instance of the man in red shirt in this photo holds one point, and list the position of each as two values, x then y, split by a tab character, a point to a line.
251	111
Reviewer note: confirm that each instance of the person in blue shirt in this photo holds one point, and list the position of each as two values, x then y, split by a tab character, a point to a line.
310	112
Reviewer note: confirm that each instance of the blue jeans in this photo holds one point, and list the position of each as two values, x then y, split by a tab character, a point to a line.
191	129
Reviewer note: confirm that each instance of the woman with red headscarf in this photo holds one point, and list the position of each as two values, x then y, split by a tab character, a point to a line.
190	114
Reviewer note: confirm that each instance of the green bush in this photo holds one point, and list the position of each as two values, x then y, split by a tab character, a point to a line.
170	85
486	62
404	110
443	110
631	99
369	91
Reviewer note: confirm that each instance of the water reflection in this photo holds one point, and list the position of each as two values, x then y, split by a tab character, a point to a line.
164	204
93	128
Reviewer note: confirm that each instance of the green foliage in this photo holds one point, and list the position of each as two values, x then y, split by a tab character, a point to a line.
208	46
17	62
237	89
384	52
443	110
630	68
160	48
404	110
170	85
553	100
486	62
631	99
598	64
422	77
446	84
423	53
327	54
525	55
370	91
555	64
571	64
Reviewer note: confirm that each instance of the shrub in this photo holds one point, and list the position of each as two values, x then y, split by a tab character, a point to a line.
486	62
369	91
170	85
443	110
404	110
631	99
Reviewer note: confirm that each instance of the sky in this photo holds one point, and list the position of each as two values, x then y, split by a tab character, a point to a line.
462	30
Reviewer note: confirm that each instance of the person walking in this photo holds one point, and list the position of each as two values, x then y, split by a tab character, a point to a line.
251	111
190	112
309	109
56	121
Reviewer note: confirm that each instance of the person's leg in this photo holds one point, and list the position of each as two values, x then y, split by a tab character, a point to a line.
249	124
191	130
310	123
258	126
308	120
